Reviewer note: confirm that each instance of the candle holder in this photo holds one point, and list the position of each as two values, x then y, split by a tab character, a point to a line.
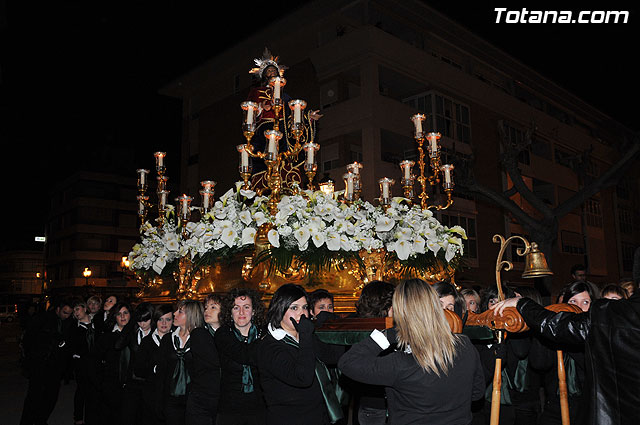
355	168
142	180
385	191
143	202
277	83
163	197
297	107
249	120
160	165
349	187
184	211
407	178
435	165
245	166
207	193
273	144
310	165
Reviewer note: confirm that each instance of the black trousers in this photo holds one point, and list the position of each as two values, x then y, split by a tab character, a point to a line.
132	403
175	410
201	408
86	405
42	395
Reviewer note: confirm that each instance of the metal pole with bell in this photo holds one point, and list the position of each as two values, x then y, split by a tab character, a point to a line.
535	266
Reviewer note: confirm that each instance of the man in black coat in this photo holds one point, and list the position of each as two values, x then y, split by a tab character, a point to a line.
610	331
46	345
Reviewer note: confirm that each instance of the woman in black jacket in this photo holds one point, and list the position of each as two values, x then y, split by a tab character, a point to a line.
293	364
85	400
147	359
115	363
204	392
434	374
242	318
174	358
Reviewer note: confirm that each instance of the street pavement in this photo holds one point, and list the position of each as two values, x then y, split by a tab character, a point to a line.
13	385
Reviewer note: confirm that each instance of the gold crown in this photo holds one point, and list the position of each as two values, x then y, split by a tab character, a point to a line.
265	61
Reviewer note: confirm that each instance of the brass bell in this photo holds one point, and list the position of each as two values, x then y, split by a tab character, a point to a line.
535	263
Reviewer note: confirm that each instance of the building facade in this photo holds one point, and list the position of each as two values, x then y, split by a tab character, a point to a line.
92	224
368	65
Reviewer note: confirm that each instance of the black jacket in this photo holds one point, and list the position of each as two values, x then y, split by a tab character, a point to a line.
611	334
291	390
205	365
415	396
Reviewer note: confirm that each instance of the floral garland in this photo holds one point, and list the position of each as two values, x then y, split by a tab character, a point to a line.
312	226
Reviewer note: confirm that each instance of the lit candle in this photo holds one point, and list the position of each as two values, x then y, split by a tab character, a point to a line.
143	176
348	183
205	199
276	88
354	168
160	158
142	204
385	188
273	137
311	148
417	122
162	198
406	167
249	115
446	170
433	141
273	146
185	200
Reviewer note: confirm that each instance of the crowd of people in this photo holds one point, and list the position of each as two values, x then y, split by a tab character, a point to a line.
231	360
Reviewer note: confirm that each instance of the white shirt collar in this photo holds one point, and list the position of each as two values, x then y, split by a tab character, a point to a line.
279	333
156	337
177	333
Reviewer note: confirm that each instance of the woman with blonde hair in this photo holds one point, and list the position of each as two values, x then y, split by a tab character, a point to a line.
433	374
174	358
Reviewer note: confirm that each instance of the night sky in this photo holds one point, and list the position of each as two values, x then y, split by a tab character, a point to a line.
80	75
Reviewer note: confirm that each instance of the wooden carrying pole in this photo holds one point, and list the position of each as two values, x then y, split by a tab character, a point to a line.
497	385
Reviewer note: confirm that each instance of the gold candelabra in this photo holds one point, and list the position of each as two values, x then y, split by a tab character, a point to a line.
293	128
184	206
438	170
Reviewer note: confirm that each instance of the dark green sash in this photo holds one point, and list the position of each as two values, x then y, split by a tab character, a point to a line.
247	376
180	378
329	392
210	329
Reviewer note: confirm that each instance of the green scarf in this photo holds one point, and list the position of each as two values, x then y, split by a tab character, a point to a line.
210	329
329	392
247	376
573	389
180	378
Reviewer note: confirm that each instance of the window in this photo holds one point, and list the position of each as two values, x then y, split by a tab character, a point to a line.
572	243
516	138
444	115
469	225
563	157
627	256
330	157
593	213
625	220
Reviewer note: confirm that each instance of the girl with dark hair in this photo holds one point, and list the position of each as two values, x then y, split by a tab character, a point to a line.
174	360
135	331
147	360
451	300
115	362
614	292
242	319
579	293
433	375
103	315
293	364
320	300
375	299
204	392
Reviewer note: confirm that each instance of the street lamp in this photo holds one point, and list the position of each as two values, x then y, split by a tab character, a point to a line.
124	264
86	273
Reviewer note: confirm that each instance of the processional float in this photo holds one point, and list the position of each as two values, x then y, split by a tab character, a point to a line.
277	225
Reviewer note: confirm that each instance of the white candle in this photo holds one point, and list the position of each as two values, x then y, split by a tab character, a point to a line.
276	88
446	171
141	206
160	159
143	177
385	190
310	154
205	200
297	113
249	115
273	144
163	198
433	139
185	206
244	158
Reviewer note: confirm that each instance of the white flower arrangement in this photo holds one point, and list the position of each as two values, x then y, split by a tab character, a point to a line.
305	224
